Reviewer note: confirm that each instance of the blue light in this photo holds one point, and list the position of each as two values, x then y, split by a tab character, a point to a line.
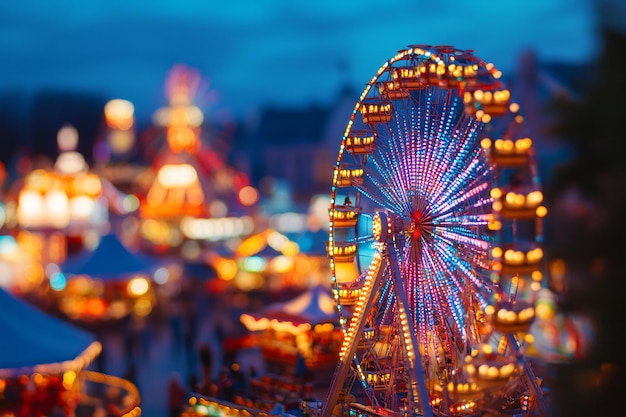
254	264
58	281
7	244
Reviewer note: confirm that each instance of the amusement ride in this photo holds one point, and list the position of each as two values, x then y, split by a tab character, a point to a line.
436	221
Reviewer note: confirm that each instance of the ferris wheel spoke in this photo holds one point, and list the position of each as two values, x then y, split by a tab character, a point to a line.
457	178
461	273
452	286
464	187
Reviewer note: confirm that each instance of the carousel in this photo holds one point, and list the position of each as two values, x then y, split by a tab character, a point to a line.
91	288
58	210
43	367
194	196
300	334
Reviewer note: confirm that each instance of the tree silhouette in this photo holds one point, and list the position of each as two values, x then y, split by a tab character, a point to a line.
589	233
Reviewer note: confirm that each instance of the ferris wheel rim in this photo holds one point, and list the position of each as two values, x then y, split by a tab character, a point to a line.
411	52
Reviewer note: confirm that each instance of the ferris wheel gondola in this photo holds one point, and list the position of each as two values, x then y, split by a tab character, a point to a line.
414	221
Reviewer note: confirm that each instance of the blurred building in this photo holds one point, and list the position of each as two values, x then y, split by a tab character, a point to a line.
299	145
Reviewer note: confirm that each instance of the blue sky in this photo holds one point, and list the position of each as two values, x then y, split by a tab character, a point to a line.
255	52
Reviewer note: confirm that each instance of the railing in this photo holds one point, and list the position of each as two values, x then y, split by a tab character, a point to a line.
118	396
201	405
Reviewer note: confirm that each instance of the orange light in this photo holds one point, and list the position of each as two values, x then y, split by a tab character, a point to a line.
182	138
248	196
95	307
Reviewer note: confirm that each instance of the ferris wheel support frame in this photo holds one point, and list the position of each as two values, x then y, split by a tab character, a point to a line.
415	369
345	362
530	376
416	386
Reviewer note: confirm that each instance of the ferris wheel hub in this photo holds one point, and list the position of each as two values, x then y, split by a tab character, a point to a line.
386	225
415	229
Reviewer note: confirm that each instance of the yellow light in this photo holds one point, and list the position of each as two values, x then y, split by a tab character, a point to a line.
226	269
138	286
544	310
485	143
534	198
534	255
142	307
522	145
496	193
514	107
290	249
494	224
252	245
119	114
541	211
346	272
89	184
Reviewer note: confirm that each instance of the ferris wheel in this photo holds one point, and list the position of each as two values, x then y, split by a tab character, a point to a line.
435	226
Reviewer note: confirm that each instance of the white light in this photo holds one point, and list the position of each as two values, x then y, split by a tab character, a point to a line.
30	210
161	276
218	209
177	176
130	203
81	207
57	209
138	286
289	222
71	163
67	138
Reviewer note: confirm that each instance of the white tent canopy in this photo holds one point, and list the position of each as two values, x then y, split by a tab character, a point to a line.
314	306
